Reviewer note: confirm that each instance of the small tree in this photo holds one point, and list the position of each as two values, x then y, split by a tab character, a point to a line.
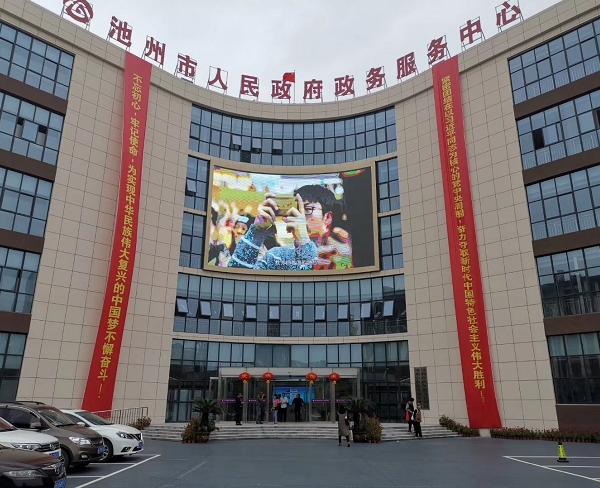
206	408
360	409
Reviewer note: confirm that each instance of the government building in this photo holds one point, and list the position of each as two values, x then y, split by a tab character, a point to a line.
299	238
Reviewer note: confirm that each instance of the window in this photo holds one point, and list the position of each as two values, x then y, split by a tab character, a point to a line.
34	62
29	130
227	310
192	241
570	282
390	231
388	185
565	204
12	348
555	63
575	363
18	276
263	308
196	183
259	142
24	202
560	131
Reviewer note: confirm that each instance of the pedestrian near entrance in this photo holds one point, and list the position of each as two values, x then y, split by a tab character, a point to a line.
239	408
417	418
276	408
285	402
343	426
410	409
260	407
297	403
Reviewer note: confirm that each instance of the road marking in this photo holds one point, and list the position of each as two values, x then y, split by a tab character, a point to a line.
570	467
82	476
117	472
193	469
597	480
550	457
117	464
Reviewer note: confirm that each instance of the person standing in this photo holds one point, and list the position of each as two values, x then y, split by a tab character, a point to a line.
276	405
417	418
343	426
410	409
260	407
239	408
297	403
285	402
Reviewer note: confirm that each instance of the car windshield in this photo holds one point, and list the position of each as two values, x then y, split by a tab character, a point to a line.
92	418
6	426
55	417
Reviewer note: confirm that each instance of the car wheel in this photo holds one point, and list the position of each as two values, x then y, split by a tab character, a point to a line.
108	451
67	457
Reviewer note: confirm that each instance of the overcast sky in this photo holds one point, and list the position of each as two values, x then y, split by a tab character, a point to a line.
320	39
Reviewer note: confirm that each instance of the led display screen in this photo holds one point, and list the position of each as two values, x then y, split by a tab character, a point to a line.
291	223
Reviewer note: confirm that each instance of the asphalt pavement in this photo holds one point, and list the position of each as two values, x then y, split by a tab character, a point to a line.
427	463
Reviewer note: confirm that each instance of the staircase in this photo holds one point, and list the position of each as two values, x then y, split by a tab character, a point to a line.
288	430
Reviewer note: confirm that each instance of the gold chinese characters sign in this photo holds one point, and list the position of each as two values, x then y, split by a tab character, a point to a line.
103	369
464	257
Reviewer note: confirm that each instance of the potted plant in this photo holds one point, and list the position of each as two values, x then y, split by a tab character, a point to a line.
141	423
360	409
199	428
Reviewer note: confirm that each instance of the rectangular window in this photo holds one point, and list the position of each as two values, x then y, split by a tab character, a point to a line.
570	282
24	202
565	204
377	306
576	367
196	183
192	241
214	134
388	185
29	130
390	233
18	277
560	131
34	62
556	63
12	348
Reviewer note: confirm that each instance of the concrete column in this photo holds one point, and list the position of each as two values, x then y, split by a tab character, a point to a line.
245	406
332	400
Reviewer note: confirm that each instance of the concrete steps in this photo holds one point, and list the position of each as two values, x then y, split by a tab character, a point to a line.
289	430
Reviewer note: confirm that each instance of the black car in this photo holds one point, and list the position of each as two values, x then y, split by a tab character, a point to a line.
20	468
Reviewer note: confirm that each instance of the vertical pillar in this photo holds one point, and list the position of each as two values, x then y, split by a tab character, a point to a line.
219	392
246	400
310	387
332	400
268	405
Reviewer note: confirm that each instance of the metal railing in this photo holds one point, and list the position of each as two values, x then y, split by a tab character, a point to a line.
123	416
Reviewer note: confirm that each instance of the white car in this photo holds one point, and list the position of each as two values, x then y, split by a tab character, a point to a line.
119	440
14	438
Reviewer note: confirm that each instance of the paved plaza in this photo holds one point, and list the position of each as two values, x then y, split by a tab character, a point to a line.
430	463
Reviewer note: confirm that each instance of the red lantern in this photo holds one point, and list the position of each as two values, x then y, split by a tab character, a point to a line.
334	378
268	377
245	377
312	377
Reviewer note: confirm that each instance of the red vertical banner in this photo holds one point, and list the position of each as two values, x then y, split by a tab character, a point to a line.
103	369
469	302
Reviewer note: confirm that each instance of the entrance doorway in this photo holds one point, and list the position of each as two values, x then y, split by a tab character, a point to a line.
290	383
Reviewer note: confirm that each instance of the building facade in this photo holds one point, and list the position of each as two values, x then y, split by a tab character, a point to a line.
531	101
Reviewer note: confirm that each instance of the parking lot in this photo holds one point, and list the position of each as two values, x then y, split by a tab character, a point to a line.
428	463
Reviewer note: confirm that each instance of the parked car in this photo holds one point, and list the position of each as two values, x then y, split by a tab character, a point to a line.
14	438
79	445
21	468
119	440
